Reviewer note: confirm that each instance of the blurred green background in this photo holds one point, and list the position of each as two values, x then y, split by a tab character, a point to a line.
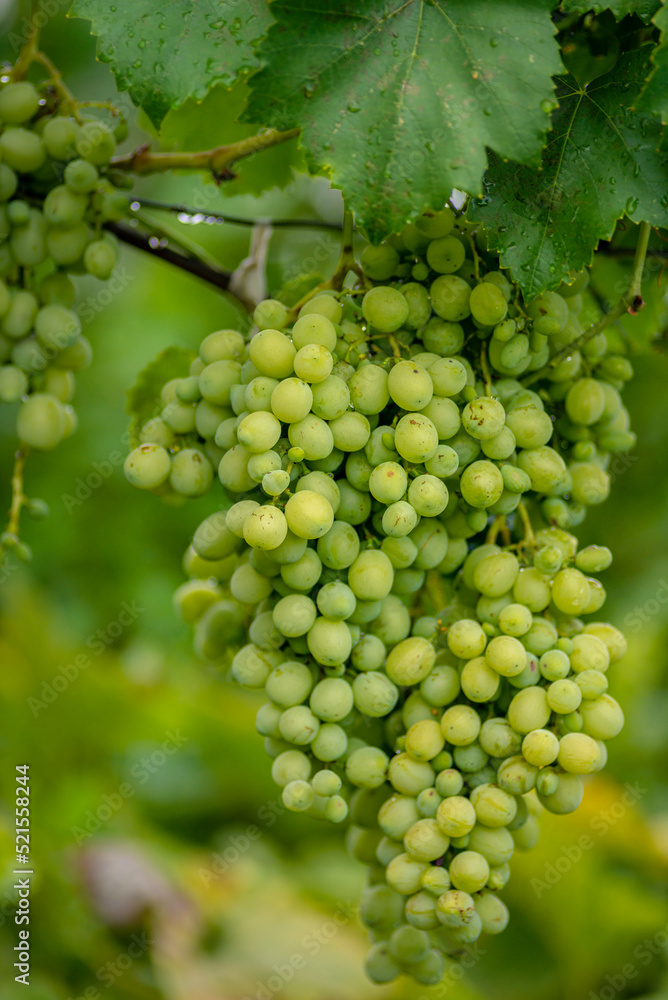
166	867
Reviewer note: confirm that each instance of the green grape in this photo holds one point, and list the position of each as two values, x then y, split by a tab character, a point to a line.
18	102
66	244
481	484
532	589
602	717
350	431
564	696
368	389
332	699
265	527
370	575
330	744
75	357
379	964
591	683
466	638
29	242
297	796
191	473
456	816
20	315
419	306
448	376
483	418
515	620
531	427
410	385
326	783
313	436
339	547
336	601
543	465
13	383
308	514
460	725
579	753
443	338
590	483
529	710
294	615
549	313
450	297
540	747
493	913
293	765
495	574
314	329
22	150
416	438
379	263
399	519
147	467
329	641
62	207
298	725
385	308
313	363
374	694
367	767
325	304
479	682
57	327
8	182
445	255
585	401
428	496
409	776
570	591
95	143
330	398
388	482
567	797
80	176
488	304
302	573
248	586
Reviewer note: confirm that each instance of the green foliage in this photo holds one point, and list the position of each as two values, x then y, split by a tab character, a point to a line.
654	98
620	8
143	398
213	122
164	53
439	81
602	162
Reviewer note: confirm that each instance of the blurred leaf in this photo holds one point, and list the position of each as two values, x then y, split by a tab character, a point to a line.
602	163
654	97
164	53
214	122
368	83
620	8
143	399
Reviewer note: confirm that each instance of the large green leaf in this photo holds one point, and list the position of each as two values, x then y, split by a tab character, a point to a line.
397	99
654	98
601	163
214	122
620	8
162	53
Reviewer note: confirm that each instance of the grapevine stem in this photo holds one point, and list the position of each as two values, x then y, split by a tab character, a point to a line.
346	260
18	496
144	241
486	373
631	301
436	591
218	161
58	83
498	524
529	537
29	50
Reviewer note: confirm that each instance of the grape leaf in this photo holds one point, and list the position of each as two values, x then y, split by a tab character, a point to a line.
213	122
602	162
654	98
143	398
162	53
397	99
645	9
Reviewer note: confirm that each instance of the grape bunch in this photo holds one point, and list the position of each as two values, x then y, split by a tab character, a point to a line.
55	197
391	565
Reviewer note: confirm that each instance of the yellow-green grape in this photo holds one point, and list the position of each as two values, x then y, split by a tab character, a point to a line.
425	840
448	376
339	547
498	739
602	717
313	363
495	574
416	438
483	418
540	747
329	641
578	753
57	327
29	242
13	384
506	655
493	807
531	427
313	436
298	725
567	797
466	639
379	263
100	258
297	796
460	725
248	586
388	482
191	473
532	589
516	775
410	661
445	255
515	620
291	400
481	484
63	207
293	765
612	638
529	710
314	329
350	431
368	389
18	102
449	783
455	908
589	653
366	767
22	150
450	297
302	573
488	304
424	740
95	143
592	683
410	385
428	495
40	422
147	467
66	244
564	696
399	519
331	699
409	776
479	682
308	514
20	315
385	308
265	527
469	871
272	354
570	591
544	466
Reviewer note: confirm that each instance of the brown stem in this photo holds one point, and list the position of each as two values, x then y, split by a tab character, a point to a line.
218	161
